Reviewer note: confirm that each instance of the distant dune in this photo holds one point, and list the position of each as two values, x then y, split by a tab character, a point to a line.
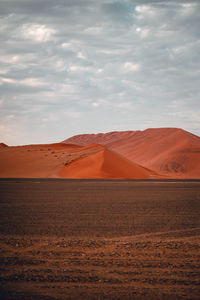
152	153
2	145
171	152
68	161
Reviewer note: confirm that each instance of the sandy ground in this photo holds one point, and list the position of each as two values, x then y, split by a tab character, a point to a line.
97	239
68	161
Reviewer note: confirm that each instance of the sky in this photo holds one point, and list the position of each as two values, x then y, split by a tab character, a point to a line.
69	67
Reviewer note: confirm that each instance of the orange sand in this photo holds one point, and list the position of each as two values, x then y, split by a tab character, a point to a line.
68	161
34	160
168	151
2	145
105	164
152	153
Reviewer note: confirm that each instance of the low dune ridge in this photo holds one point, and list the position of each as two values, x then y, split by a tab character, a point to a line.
44	160
2	145
100	138
168	151
68	161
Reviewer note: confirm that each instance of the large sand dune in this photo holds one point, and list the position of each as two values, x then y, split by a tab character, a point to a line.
105	164
152	153
68	161
169	151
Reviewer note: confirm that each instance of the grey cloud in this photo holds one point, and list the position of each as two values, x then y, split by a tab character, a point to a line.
90	66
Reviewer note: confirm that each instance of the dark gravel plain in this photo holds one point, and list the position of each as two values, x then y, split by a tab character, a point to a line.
99	239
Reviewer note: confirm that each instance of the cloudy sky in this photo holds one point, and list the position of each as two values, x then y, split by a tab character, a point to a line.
86	66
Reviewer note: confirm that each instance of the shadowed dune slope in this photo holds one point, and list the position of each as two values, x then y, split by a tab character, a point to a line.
169	151
105	164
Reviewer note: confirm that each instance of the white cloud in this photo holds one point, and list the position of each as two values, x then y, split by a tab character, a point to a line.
66	45
10	59
188	8
131	67
38	32
10	117
142	32
17	61
80	55
7	80
60	65
81	69
142	8
34	82
144	11
76	68
95	104
72	45
113	51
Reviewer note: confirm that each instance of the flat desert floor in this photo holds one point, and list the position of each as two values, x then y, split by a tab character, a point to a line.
99	239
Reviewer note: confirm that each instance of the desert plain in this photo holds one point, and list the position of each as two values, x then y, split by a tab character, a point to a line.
107	216
99	239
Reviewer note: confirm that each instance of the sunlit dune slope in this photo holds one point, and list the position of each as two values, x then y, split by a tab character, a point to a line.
68	161
169	151
105	164
35	160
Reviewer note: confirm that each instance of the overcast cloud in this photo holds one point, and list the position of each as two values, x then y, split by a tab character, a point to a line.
72	66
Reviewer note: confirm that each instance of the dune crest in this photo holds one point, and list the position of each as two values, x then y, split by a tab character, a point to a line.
152	153
68	161
168	151
105	164
2	145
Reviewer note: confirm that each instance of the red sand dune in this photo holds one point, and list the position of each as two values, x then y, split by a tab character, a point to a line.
68	161
105	164
2	145
169	151
35	160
